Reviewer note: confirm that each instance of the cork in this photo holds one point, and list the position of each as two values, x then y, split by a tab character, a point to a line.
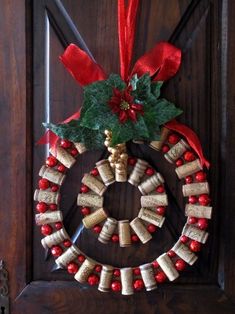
54	238
63	156
124	233
151	217
138	172
176	151
148	277
81	148
195	189
52	175
85	270
121	174
105	278
167	266
188	168
107	230
198	211
150	184
195	234
154	200
90	200
95	218
157	145
184	252
105	171
48	217
47	197
68	256
94	184
141	231
126	281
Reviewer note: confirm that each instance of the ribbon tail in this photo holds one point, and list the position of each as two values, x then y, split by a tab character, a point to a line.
191	137
49	138
81	66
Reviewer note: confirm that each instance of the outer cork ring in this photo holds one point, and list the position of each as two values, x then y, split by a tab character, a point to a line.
127	280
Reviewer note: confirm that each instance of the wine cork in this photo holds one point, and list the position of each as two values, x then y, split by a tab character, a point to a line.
85	270
94	219
52	175
176	151
47	197
105	278
63	156
198	211
141	231
188	168
184	252
124	233
54	238
138	172
90	200
81	148
105	171
154	200
167	266
151	183
121	175
107	230
151	217
94	184
157	145
48	217
126	281
148	277
195	234
195	189
68	256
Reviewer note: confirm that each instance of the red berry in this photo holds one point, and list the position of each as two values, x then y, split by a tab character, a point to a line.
54	188
131	161
94	172
151	228
138	284
173	138
116	272
189	156
184	239
74	152
84	189
67	243
188	179
160	189
171	253
202	223
195	246
136	271
165	148
160	210
41	207
65	143
61	168
56	250
93	280
115	238
98	268
160	277
155	264
204	199
81	258
97	229
51	161
179	162
46	229
53	206
58	225
149	171
85	211
43	184
200	176
72	268
116	286
180	264
192	220
134	238
192	199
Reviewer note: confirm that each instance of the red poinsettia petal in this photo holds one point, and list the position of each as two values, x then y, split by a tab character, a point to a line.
136	107
132	114
117	93
127	97
115	100
123	116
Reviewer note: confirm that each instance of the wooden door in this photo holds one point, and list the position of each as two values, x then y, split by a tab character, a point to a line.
35	87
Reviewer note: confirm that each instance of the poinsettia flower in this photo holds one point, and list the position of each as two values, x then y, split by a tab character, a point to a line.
122	103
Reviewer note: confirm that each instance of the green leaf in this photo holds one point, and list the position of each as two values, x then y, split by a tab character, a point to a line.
115	80
166	111
156	88
143	88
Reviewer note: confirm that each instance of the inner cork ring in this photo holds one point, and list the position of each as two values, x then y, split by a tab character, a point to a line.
151	186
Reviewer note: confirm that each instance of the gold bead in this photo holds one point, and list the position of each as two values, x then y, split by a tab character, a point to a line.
112	165
120	166
107	133
110	149
124	156
107	143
